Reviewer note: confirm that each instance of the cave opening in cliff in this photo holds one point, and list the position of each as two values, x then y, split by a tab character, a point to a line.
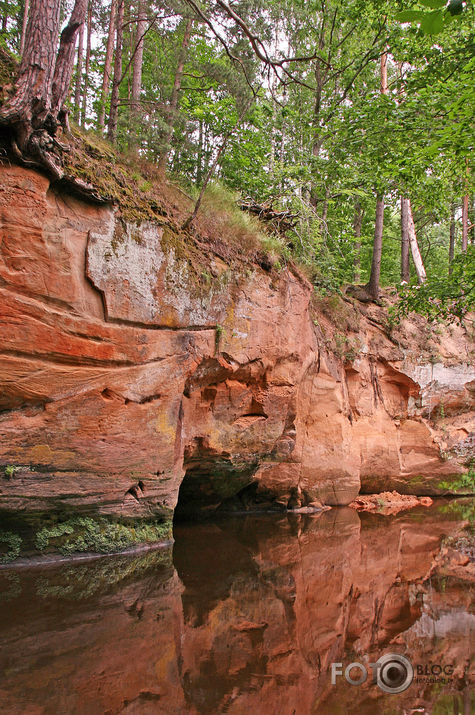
215	484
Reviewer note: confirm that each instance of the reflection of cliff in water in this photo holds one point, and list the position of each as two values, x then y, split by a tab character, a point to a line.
250	619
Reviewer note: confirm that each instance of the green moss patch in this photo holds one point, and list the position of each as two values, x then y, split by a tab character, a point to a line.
84	534
35	534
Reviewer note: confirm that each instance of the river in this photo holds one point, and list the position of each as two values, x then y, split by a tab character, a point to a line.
246	615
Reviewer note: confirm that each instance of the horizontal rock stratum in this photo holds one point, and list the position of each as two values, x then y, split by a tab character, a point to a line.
124	376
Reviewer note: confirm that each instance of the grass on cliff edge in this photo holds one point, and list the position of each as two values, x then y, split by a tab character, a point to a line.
141	193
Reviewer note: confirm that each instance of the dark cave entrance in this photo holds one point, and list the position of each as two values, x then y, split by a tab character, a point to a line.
215	484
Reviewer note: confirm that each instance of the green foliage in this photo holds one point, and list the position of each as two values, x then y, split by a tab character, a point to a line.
219	332
450	298
99	535
436	18
13	544
11	469
77	581
461	509
464	484
322	144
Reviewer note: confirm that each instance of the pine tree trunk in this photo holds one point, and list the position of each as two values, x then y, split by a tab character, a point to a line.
107	65
23	29
357	224
36	109
416	254
373	284
35	77
77	91
114	110
405	267
451	237
88	63
64	62
137	76
172	107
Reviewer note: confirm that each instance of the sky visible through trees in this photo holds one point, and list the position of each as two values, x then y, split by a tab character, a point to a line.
354	116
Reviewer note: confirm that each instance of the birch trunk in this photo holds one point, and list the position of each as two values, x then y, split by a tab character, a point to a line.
405	268
451	237
465	223
416	254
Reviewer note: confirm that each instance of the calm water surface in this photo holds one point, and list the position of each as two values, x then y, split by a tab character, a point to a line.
243	615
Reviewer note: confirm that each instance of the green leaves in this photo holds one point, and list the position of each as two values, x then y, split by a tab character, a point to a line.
410	15
433	22
433	4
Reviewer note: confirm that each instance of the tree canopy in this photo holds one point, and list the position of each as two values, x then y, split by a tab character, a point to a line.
285	103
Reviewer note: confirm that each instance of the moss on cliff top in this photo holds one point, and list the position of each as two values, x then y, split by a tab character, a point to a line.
141	193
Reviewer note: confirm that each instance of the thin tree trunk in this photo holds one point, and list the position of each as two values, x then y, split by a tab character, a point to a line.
23	29
173	105
77	91
416	254
107	65
373	284
405	267
5	24
88	63
213	166
451	237
471	218
64	62
357	224
320	78
384	73
199	163
114	110
137	75
465	223
283	137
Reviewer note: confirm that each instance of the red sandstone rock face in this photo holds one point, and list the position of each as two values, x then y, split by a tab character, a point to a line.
114	374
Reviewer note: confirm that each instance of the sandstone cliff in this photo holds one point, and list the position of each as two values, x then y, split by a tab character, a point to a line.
134	370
